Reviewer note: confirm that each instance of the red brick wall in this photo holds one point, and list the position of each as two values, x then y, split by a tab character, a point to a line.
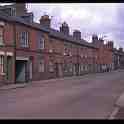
8	40
8	33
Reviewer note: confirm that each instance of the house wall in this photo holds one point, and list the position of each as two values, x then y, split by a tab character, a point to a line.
8	50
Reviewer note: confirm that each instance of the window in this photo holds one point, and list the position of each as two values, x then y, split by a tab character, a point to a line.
24	39
51	66
70	67
65	67
40	40
65	51
13	12
41	43
85	67
82	67
41	66
1	64
1	36
81	55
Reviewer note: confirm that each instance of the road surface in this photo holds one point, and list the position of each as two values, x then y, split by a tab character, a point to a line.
85	97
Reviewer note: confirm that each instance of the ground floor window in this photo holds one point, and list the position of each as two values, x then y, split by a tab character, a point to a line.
70	67
41	66
65	67
82	67
1	64
51	66
86	68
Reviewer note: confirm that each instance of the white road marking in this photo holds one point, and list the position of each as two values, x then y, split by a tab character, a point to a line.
114	113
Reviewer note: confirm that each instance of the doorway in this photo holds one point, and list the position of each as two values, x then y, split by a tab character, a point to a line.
21	71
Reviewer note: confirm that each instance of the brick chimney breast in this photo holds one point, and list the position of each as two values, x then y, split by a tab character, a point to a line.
64	28
121	49
45	21
77	35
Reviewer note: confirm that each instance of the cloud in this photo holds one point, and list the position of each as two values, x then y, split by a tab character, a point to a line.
89	18
100	18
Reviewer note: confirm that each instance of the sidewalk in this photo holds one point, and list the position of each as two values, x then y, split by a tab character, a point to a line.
119	114
14	86
22	85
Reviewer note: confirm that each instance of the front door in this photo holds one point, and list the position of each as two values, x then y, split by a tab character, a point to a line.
21	71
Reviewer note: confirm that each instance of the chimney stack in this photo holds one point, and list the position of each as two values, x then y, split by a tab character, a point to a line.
121	49
20	9
77	35
45	21
95	39
64	28
110	44
101	41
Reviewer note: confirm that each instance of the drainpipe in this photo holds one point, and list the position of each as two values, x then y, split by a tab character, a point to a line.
14	37
77	65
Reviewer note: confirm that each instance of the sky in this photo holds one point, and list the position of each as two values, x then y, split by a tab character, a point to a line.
103	19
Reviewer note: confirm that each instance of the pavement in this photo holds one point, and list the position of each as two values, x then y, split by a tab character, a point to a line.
22	85
92	96
118	112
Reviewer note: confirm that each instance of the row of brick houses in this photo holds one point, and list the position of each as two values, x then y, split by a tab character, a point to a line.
35	51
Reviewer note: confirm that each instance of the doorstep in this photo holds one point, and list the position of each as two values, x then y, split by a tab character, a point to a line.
13	86
118	112
120	101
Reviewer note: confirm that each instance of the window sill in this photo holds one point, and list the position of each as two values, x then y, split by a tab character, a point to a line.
41	48
51	71
2	44
2	73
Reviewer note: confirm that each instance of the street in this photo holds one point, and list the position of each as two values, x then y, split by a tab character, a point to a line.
90	96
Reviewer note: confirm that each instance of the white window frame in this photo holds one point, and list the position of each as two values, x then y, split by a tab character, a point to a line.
51	66
65	66
86	68
24	39
41	66
82	67
13	12
71	67
1	35
42	43
2	64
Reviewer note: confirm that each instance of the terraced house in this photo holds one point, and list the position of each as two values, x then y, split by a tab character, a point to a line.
35	51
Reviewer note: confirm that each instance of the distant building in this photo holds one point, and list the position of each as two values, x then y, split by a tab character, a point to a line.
35	51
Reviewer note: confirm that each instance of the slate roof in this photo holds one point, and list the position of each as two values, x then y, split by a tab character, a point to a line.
22	21
70	38
52	32
116	51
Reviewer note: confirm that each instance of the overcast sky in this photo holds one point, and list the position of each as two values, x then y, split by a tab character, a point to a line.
89	18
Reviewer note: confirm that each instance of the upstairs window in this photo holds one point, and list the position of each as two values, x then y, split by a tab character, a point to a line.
1	36
13	12
41	43
24	39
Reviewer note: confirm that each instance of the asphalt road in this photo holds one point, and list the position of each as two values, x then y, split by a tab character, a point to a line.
86	97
